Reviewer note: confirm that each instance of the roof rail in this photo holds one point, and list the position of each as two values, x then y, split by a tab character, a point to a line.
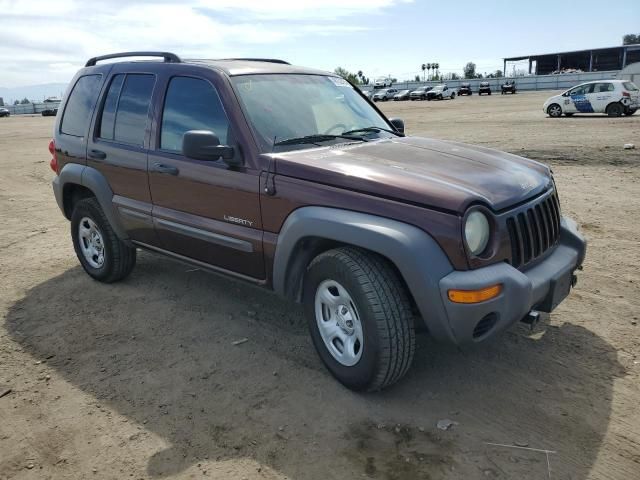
168	57
270	60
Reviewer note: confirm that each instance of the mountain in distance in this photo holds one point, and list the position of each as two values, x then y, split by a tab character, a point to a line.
36	93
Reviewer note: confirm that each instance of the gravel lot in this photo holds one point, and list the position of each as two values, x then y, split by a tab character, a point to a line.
141	380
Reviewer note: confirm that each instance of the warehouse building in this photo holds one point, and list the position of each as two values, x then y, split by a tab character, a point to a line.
593	60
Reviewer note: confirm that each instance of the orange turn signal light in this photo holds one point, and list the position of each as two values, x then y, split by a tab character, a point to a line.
475	296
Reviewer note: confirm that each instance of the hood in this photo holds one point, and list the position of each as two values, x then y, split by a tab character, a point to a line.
433	173
555	98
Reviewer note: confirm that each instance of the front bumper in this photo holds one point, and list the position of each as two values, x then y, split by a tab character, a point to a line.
541	287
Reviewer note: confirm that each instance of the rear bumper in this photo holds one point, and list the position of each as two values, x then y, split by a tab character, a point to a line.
541	287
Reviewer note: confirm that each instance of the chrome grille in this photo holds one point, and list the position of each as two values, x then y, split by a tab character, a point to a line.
534	230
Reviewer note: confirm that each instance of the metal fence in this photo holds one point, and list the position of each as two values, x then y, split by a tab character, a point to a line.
531	82
26	108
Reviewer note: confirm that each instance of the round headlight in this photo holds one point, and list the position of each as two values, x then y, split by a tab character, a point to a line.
476	232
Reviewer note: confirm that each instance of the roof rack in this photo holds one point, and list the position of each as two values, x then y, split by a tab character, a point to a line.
270	60
168	57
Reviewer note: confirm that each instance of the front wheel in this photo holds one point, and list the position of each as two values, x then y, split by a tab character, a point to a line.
628	113
453	95
101	253
359	317
554	110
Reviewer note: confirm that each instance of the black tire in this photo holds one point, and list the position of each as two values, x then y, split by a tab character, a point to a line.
384	311
453	96
628	112
615	110
439	97
554	110
489	93
119	258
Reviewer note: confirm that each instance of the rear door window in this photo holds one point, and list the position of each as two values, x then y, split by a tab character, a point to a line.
124	114
77	111
191	104
603	87
108	118
133	108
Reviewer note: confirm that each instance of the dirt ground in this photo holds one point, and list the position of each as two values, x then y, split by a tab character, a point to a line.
141	380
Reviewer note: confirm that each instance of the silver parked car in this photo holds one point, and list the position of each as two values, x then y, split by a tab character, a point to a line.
384	94
401	95
419	93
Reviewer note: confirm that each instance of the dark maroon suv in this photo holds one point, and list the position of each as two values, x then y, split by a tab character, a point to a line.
290	178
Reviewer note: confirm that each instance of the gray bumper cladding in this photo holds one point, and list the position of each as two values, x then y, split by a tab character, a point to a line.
540	287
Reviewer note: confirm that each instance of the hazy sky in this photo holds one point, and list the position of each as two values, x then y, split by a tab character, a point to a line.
44	41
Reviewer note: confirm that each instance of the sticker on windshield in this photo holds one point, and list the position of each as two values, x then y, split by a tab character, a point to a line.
339	81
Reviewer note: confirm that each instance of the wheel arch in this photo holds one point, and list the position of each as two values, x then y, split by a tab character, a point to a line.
415	255
616	103
551	105
75	182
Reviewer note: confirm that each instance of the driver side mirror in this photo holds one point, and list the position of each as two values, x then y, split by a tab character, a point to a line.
398	124
205	145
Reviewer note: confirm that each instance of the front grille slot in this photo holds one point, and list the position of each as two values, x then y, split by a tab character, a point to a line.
534	230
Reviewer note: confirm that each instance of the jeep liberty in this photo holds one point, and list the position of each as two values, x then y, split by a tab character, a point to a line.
290	178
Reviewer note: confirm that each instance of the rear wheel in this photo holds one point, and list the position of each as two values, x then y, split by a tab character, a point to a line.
554	110
359	317
101	253
614	110
628	113
453	95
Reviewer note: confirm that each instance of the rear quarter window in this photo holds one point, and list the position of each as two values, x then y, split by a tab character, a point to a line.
77	111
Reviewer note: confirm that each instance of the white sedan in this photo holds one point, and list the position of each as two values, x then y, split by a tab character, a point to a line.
613	97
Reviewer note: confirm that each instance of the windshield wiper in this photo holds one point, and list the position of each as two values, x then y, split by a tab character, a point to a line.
369	129
315	138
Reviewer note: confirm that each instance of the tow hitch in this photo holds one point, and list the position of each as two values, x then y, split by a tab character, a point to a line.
532	318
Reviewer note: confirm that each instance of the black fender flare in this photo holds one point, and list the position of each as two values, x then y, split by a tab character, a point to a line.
92	179
416	255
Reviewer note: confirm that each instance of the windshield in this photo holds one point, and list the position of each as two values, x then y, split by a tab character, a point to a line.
438	87
285	106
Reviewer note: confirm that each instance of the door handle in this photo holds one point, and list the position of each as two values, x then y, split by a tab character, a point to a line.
168	169
97	154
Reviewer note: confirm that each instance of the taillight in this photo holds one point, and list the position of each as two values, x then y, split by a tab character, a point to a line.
54	157
626	94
